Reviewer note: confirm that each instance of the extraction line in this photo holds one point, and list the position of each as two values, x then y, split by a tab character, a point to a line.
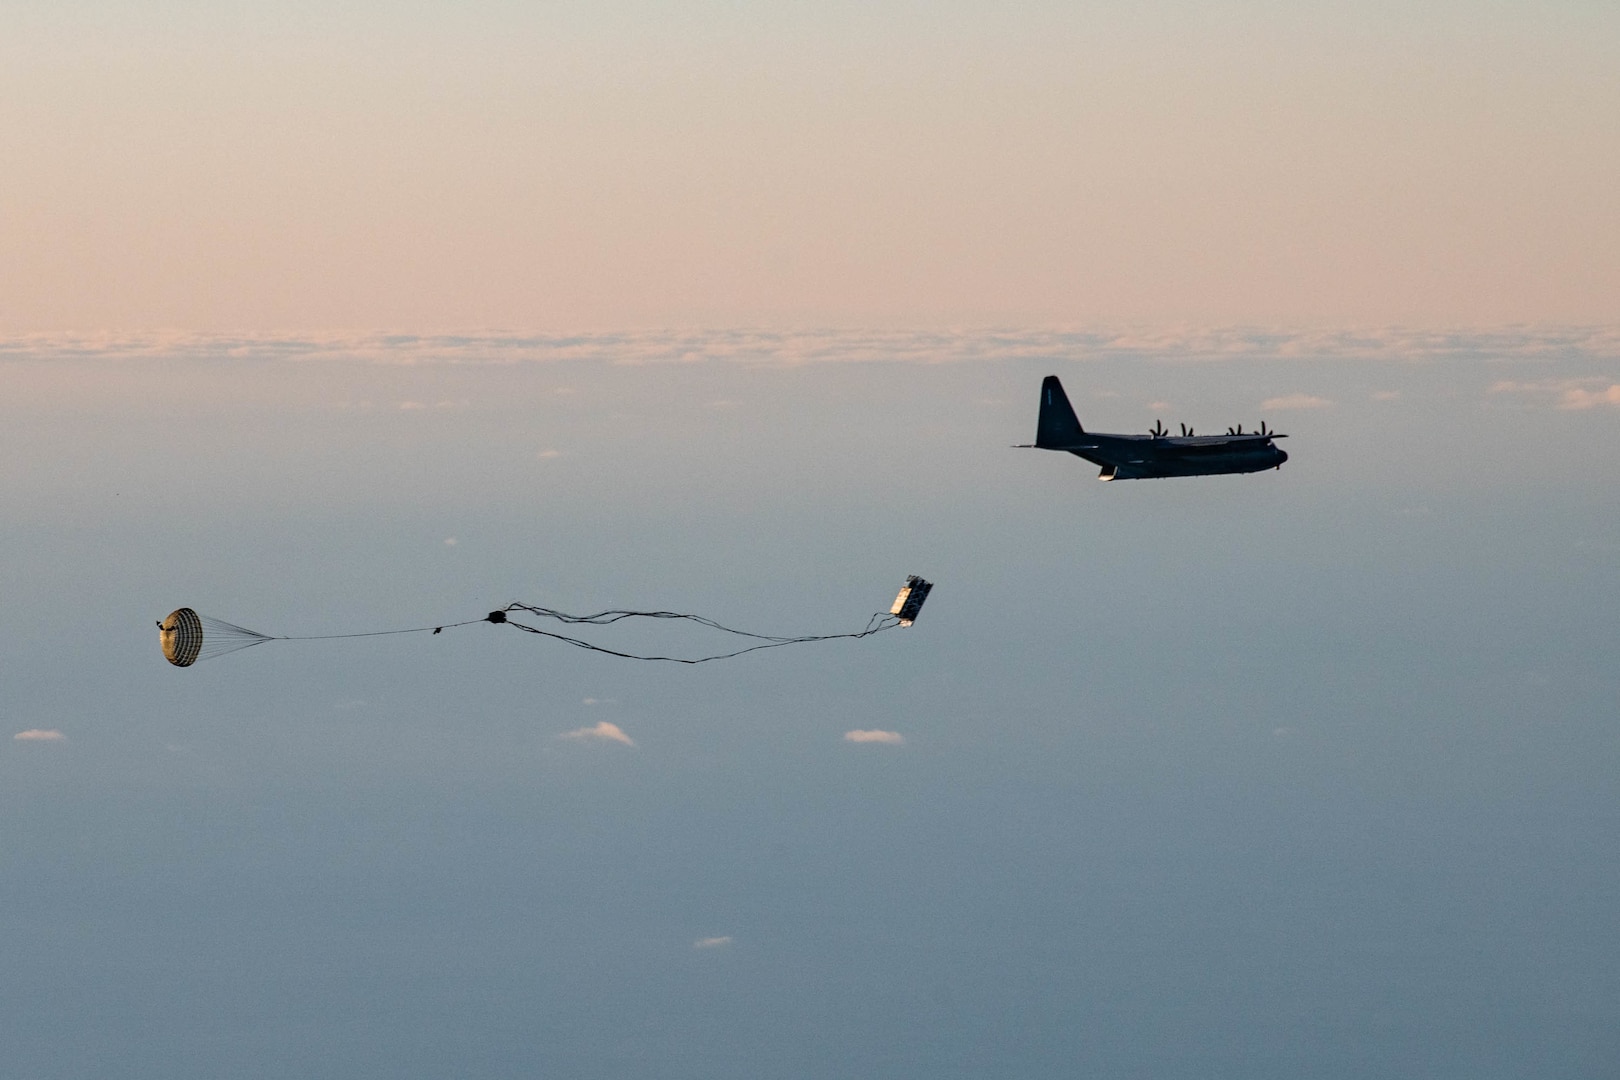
187	637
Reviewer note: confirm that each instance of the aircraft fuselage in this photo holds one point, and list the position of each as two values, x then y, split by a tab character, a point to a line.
1158	454
1141	457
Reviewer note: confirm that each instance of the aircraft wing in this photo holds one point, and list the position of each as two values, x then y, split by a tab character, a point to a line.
1217	442
1212	441
1076	446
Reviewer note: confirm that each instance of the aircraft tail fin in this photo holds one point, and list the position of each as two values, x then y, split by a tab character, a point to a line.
1057	427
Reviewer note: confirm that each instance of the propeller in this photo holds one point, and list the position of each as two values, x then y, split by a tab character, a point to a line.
1235	431
1158	430
1185	430
1263	430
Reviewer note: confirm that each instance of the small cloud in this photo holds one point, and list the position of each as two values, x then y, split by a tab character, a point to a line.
604	730
599	701
449	541
1386	395
548	454
724	403
712	942
892	738
411	406
1160	406
1573	394
1296	401
1282	732
564	391
40	735
1577	397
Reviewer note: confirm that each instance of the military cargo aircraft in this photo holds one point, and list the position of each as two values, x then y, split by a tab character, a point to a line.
1156	454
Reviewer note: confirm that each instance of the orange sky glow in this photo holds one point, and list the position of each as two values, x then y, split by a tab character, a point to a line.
652	165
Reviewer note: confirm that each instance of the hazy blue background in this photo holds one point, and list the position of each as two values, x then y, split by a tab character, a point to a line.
1309	773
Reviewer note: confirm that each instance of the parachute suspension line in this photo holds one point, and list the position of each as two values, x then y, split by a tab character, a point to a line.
373	633
187	637
879	622
605	618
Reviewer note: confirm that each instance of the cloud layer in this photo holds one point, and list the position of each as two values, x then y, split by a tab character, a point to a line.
791	348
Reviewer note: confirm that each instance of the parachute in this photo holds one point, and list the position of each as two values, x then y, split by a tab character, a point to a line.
187	637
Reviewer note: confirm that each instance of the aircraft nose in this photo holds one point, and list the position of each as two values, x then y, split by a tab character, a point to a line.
1282	456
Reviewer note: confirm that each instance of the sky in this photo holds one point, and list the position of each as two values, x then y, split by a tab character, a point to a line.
232	167
335	318
1310	772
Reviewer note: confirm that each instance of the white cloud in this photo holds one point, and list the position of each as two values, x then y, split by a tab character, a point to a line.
1160	406
604	730
1572	394
1386	395
599	701
892	738
1296	401
40	735
712	942
1580	398
548	454
449	541
411	406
